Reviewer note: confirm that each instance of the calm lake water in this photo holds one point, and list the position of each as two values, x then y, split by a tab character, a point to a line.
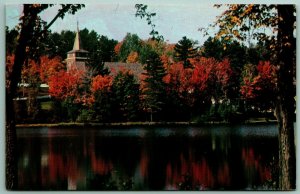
241	157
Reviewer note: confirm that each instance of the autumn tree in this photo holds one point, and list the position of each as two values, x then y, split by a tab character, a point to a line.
184	50
131	43
101	89
236	22
258	85
32	30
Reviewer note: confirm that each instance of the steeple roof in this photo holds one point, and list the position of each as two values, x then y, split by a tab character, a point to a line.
77	42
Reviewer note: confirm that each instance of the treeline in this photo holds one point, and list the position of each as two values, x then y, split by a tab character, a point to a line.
218	81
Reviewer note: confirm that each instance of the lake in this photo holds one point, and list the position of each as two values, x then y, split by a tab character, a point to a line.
216	157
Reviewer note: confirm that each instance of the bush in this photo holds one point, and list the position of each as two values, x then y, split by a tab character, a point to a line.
86	115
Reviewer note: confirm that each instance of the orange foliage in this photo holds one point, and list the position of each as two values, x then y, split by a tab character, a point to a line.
118	47
132	57
50	67
64	84
259	85
101	82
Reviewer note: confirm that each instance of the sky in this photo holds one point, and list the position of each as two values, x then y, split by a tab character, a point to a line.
113	19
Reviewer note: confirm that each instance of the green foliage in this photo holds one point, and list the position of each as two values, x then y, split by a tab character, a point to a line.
85	115
71	108
185	49
11	40
220	49
154	90
106	49
126	96
103	106
131	43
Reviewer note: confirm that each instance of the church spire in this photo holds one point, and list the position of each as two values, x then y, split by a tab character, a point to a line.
77	42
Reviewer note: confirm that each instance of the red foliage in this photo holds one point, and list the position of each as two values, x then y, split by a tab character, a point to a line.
9	66
203	71
49	67
260	85
223	72
101	82
31	72
64	84
118	47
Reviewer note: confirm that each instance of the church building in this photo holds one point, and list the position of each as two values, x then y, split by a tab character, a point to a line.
77	57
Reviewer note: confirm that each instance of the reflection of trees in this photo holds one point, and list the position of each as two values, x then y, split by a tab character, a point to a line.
125	163
255	172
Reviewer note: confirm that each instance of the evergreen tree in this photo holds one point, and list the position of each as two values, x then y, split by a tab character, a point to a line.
154	87
126	96
184	50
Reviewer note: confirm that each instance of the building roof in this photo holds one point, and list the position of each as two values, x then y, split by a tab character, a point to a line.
135	68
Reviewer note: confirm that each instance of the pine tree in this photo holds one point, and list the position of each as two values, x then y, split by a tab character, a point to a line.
126	96
184	50
154	87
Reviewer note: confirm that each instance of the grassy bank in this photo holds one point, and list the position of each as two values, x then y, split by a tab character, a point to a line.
135	124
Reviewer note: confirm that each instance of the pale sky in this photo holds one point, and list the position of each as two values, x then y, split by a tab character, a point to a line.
174	19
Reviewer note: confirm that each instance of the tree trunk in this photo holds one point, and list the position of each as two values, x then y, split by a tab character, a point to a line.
285	105
28	23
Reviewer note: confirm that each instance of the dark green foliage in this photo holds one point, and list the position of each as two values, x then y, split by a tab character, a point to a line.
85	115
154	90
71	108
103	106
106	49
144	53
126	96
184	50
11	40
59	44
221	49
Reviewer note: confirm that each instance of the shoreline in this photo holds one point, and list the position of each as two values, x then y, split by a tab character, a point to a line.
136	124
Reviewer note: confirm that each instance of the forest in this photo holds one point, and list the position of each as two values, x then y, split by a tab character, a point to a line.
219	81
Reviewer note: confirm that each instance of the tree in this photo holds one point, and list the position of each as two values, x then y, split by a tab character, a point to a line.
258	87
63	84
101	89
141	11
153	88
126	96
236	22
106	49
131	43
11	40
32	30
184	50
132	57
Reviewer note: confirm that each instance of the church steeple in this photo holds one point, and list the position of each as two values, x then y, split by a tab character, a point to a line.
77	42
77	57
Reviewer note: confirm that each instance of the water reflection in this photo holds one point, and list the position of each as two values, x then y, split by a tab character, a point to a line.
147	159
